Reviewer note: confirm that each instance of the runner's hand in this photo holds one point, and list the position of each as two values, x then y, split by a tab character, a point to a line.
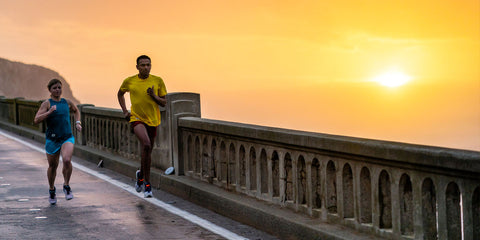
78	126
150	91
127	116
52	109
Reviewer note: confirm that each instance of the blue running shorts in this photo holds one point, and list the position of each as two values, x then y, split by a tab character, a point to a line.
52	147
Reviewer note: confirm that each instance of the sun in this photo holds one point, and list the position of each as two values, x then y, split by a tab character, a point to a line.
392	78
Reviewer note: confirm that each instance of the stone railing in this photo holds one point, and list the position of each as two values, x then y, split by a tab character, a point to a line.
393	190
20	112
105	129
388	189
7	113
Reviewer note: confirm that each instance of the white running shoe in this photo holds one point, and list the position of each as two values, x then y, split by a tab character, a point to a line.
68	192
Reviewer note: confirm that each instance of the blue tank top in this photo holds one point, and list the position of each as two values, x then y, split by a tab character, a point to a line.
58	122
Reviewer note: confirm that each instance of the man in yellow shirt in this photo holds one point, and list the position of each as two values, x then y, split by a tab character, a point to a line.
147	92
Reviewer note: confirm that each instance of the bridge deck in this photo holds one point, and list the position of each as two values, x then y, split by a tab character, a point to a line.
105	206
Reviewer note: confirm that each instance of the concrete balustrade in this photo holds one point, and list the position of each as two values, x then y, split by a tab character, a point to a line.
392	190
387	189
106	130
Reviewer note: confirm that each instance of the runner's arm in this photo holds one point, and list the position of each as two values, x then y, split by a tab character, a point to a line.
162	101
76	115
121	101
43	112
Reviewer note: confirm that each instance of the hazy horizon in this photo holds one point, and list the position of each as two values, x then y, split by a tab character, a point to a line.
303	65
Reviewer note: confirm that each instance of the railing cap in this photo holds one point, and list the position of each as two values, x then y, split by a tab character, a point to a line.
398	152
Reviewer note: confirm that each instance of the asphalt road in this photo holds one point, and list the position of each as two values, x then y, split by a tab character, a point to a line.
105	204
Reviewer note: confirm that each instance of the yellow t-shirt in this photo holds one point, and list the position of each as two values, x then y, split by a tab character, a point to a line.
143	107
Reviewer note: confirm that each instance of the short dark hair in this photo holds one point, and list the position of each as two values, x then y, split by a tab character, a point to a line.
53	82
143	57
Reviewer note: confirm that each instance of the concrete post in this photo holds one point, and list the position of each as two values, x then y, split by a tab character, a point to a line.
15	110
442	210
80	138
417	207
395	203
179	105
466	196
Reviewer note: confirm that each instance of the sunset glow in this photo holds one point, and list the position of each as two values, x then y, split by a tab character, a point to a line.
318	66
392	79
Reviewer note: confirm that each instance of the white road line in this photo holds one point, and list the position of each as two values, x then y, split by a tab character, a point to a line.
184	214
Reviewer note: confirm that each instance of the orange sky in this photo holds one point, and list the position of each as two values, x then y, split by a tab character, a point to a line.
304	65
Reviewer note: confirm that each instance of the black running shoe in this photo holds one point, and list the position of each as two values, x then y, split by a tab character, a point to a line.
138	181
148	190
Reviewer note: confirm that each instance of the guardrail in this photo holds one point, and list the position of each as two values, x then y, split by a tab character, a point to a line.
393	190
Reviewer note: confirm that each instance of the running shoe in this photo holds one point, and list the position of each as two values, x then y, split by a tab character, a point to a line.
148	190
52	198
138	181
68	192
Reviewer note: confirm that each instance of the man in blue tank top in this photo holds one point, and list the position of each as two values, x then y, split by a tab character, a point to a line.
59	139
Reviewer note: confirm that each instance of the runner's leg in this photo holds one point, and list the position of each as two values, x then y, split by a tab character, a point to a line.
151	132
67	152
52	169
142	135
